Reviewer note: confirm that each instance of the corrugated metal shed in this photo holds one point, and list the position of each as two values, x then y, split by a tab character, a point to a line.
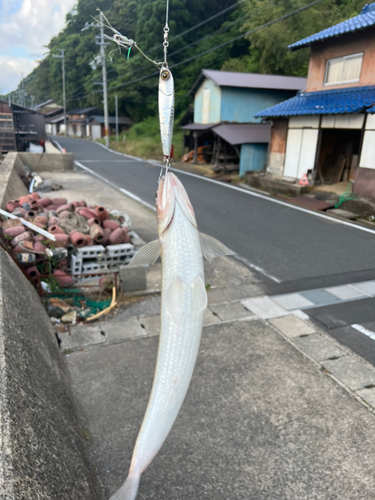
243	133
364	20
250	80
326	102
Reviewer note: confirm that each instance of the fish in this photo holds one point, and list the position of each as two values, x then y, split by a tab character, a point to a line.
166	109
183	302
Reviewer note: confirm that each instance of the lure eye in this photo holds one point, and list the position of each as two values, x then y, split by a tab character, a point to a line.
164	75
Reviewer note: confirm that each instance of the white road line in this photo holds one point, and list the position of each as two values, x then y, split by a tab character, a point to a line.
364	330
139	200
131	195
252	193
278	202
108	161
253	266
118	153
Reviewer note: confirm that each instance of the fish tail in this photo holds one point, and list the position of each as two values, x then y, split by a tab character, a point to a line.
129	489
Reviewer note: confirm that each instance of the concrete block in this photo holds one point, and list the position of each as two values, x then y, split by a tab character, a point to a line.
209	318
366	286
351	372
342	213
368	395
230	293
346	292
48	162
292	301
231	311
81	336
318	347
117	331
292	326
264	307
133	279
151	324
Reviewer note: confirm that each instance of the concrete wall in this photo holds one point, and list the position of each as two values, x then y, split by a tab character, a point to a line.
43	454
11	185
42	451
253	157
352	43
45	162
240	105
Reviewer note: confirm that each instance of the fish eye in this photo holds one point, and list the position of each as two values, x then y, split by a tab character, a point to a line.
164	74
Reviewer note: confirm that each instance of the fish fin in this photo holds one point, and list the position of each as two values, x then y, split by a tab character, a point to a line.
211	247
128	490
199	302
148	254
173	298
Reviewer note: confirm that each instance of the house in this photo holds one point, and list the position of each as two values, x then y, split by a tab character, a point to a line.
89	122
328	130
224	107
48	106
96	125
19	126
78	120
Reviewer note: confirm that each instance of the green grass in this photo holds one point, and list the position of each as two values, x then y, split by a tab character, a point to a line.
143	140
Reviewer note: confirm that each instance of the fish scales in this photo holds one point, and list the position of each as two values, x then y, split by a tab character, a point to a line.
183	301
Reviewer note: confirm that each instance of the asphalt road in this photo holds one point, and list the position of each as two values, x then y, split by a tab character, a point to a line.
285	243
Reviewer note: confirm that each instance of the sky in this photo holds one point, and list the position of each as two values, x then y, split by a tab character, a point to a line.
26	27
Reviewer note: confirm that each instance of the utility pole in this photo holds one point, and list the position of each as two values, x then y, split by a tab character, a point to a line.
62	57
116	111
102	44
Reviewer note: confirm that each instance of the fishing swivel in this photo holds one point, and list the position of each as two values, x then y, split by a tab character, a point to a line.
165	45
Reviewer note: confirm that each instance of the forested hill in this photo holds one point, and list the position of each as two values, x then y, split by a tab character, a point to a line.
196	26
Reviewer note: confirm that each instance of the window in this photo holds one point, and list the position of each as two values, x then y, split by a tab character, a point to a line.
343	69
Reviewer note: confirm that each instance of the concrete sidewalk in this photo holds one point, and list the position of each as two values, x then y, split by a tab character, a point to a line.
264	418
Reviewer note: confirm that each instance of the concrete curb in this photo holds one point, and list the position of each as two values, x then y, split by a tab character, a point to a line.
326	343
42	450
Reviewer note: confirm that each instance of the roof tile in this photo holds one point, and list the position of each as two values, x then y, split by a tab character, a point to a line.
365	19
324	102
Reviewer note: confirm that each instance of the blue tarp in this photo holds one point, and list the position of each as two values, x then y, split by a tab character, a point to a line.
325	102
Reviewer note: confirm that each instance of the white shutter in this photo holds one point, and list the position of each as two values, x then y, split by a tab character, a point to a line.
308	151
300	152
368	150
293	148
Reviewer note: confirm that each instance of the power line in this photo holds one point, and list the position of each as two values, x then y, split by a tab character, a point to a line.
266	25
201	23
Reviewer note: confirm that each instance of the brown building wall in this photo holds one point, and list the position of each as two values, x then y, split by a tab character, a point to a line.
352	43
279	132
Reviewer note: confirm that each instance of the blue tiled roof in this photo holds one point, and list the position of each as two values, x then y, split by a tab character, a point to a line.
324	102
365	19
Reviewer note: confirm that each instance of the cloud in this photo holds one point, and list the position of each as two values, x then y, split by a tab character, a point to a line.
11	69
26	27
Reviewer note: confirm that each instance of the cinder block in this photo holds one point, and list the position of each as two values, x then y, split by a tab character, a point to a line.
133	279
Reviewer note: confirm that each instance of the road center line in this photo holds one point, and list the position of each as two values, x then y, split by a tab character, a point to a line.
127	193
253	193
139	200
278	202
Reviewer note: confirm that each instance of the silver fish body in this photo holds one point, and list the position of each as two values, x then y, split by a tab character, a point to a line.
184	300
166	109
